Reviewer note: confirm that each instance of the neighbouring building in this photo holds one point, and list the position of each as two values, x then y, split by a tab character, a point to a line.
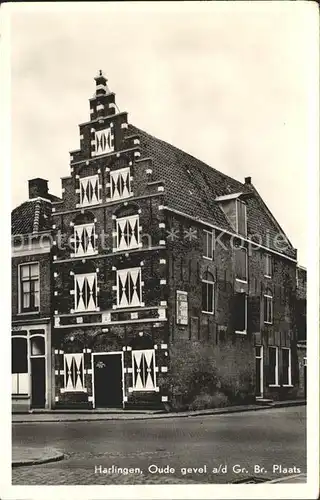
31	299
152	247
301	321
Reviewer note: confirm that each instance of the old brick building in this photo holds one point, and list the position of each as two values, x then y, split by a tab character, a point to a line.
31	299
301	321
152	247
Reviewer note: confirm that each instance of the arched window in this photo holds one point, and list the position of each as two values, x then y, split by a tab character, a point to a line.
208	293
127	229
120	184
268	306
85	287
84	235
19	365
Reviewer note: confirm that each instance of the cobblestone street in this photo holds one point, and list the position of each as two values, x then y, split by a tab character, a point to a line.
266	438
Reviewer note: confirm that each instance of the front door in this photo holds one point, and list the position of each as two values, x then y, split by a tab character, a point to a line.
108	380
38	382
259	371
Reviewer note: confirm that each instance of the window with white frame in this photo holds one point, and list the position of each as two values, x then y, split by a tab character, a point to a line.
29	287
208	244
241	264
85	292
268	266
143	370
208	293
73	372
128	234
104	141
19	365
268	306
273	375
84	239
129	292
89	191
240	313
241	217
286	366
120	184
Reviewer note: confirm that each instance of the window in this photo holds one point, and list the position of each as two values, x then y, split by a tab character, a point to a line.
273	366
208	244
19	365
84	239
129	292
120	185
37	345
143	370
128	235
29	287
208	293
286	366
241	215
241	260
240	313
268	307
104	142
85	292
73	373
89	191
268	266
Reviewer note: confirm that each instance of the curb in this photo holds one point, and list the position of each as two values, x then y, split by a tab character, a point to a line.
104	417
55	457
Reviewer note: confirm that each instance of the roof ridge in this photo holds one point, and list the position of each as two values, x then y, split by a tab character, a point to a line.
190	155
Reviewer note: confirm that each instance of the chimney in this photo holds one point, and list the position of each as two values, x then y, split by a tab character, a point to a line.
247	180
38	188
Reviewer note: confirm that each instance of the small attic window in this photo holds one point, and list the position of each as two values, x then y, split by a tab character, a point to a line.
241	217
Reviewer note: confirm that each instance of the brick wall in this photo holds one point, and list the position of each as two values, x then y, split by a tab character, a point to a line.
186	265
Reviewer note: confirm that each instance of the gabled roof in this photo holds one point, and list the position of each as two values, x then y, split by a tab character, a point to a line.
192	186
32	216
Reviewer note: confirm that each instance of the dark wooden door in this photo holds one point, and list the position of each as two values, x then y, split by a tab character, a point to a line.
38	382
108	380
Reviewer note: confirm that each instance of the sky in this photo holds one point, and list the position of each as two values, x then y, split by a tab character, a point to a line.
228	82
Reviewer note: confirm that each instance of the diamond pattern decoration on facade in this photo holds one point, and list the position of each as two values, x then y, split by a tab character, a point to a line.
129	287
120	184
143	368
128	232
103	142
85	292
84	239
89	191
73	366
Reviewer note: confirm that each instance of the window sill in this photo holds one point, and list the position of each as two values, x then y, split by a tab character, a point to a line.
208	312
28	313
268	323
208	258
242	281
274	385
75	255
20	396
241	333
267	276
287	385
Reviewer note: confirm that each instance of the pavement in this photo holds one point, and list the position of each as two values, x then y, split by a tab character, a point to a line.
250	446
27	455
93	415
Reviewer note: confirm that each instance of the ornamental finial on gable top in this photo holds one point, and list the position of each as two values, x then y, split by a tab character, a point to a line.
101	84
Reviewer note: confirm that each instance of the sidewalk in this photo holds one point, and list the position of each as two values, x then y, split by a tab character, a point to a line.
26	455
92	415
